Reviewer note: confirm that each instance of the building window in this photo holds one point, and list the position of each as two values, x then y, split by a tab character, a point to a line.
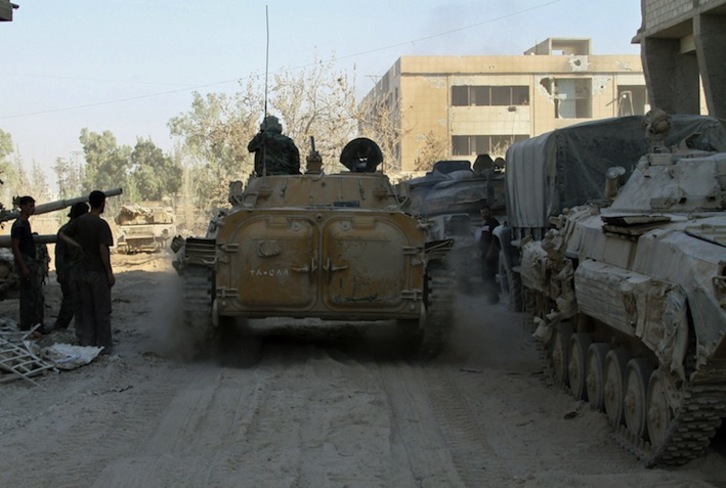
485	96
473	145
632	100
572	97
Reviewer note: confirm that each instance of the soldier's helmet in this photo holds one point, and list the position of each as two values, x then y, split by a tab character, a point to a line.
271	123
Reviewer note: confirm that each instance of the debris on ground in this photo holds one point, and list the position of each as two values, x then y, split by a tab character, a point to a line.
23	358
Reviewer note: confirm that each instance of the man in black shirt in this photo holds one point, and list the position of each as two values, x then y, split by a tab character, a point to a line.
30	269
93	235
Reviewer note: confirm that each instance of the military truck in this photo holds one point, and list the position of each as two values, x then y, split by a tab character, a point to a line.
144	228
330	246
627	294
451	196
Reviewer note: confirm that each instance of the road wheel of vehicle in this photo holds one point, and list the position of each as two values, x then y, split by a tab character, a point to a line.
637	375
559	354
577	364
595	375
659	412
613	387
510	285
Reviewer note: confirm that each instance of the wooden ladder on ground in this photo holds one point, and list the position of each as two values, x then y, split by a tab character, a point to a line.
19	362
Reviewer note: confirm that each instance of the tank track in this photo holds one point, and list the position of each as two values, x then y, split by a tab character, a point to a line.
439	307
197	302
691	429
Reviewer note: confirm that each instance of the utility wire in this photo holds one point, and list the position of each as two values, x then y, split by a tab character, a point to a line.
236	80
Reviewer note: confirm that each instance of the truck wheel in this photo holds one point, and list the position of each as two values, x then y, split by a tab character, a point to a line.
510	285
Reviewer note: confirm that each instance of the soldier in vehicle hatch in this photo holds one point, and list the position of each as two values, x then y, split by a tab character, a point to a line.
275	153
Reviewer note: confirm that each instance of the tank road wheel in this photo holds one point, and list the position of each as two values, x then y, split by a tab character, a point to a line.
659	412
595	376
510	285
637	374
558	356
440	294
613	387
577	364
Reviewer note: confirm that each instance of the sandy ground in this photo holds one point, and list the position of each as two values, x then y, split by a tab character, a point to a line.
319	405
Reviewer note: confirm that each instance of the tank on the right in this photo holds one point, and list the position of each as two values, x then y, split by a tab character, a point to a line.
628	300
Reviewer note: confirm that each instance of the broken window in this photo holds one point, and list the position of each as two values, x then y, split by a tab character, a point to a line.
572	97
632	100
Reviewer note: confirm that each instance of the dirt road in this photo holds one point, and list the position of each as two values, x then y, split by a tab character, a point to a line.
320	405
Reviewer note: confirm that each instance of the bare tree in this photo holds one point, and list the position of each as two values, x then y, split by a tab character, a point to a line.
434	149
318	102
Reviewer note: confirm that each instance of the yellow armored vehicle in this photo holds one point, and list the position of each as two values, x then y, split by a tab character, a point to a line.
331	246
144	228
628	299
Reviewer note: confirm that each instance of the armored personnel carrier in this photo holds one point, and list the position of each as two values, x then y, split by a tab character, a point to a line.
451	196
144	228
628	299
331	246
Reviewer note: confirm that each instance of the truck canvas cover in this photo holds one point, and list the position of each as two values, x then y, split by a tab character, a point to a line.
566	167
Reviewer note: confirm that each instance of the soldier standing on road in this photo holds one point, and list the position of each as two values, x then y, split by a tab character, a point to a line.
93	235
67	263
275	153
489	252
29	267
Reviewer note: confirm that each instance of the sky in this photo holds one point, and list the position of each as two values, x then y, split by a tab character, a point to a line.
129	66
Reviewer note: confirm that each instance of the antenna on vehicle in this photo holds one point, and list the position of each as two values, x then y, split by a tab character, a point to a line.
267	69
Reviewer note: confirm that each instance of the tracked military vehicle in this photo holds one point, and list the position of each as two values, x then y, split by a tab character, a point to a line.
628	300
331	246
451	196
146	229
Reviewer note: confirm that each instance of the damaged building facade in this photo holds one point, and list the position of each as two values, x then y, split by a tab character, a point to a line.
472	105
682	47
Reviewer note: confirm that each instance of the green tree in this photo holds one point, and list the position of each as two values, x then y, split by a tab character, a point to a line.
153	174
107	164
69	177
38	184
215	134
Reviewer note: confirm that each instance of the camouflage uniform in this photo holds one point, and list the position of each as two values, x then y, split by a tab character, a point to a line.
281	156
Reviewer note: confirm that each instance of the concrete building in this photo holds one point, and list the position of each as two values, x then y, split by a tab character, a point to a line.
469	105
683	47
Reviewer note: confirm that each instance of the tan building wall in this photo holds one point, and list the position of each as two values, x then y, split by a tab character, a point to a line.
458	97
682	47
